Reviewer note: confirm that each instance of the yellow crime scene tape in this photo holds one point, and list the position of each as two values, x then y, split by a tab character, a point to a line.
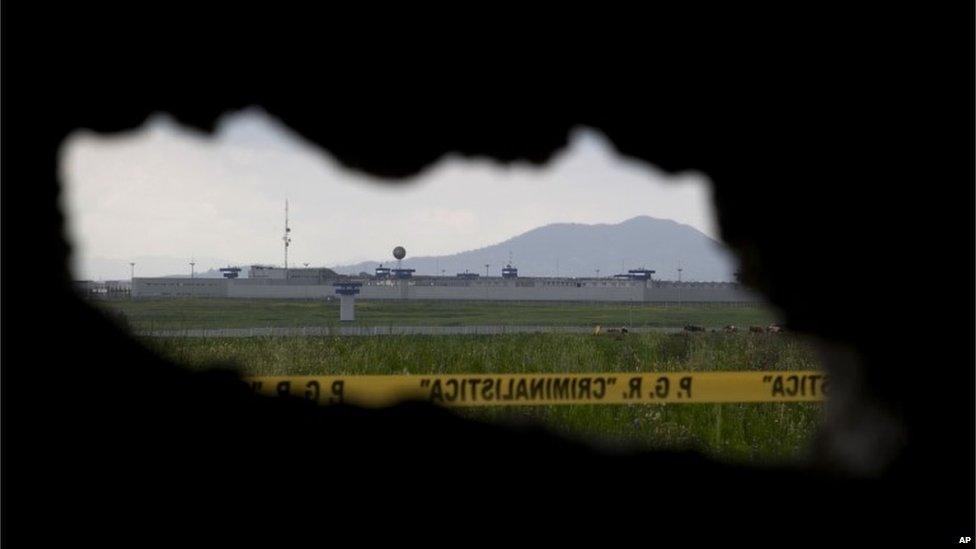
550	389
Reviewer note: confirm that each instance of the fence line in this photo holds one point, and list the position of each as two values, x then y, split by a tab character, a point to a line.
306	331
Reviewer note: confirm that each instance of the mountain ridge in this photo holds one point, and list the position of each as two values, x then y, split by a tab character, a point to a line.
557	249
580	249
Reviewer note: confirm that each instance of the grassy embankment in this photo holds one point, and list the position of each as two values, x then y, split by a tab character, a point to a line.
178	314
764	433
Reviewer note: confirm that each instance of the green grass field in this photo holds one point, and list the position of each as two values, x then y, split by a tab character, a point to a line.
178	314
756	433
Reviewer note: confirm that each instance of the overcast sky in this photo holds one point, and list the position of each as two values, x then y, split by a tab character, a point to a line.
163	195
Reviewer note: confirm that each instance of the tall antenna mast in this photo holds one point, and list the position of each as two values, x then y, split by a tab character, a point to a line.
287	237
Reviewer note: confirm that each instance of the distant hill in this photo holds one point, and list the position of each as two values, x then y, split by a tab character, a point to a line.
100	268
578	250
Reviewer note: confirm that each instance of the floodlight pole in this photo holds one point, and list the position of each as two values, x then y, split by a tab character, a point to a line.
286	238
132	270
679	287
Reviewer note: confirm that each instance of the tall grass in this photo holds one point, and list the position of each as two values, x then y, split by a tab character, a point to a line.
761	432
203	313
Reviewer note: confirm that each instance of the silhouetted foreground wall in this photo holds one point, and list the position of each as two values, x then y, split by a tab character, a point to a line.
827	135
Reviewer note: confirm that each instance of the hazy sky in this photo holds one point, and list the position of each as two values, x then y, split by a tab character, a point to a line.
163	195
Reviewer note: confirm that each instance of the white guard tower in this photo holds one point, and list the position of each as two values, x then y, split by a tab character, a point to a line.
347	292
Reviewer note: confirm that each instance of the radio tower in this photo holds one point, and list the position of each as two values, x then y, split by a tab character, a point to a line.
287	237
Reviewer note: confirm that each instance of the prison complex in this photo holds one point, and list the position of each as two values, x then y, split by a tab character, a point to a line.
274	282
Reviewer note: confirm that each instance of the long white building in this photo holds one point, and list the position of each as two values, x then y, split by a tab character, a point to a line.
451	288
